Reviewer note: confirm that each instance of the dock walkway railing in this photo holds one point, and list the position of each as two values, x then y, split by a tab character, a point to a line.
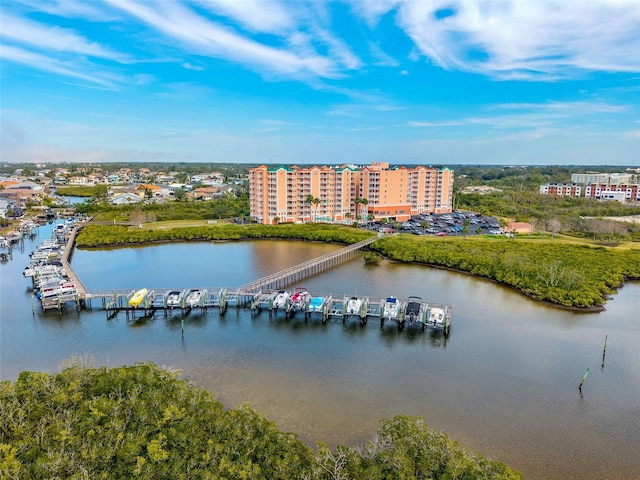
306	269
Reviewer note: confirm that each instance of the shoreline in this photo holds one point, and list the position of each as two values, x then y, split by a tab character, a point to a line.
595	309
592	309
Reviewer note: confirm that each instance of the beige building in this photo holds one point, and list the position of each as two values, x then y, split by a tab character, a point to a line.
346	194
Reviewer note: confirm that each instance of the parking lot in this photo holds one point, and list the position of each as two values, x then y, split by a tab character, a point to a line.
442	224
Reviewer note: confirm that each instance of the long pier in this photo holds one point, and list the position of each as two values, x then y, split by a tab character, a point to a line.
68	251
257	295
301	271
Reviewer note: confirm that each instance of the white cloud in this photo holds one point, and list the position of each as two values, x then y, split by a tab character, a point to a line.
54	38
450	123
190	66
68	69
202	36
256	15
521	40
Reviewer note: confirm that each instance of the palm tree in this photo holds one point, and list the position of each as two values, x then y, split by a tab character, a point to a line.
424	224
316	202
309	200
360	201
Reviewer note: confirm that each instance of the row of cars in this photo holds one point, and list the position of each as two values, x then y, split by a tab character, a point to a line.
443	224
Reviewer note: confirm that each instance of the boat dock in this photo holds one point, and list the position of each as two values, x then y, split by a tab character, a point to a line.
259	295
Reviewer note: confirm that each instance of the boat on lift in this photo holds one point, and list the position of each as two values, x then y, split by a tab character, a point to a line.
391	308
193	298
437	317
281	299
299	298
173	298
137	298
354	305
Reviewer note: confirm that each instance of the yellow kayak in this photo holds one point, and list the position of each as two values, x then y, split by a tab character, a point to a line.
138	297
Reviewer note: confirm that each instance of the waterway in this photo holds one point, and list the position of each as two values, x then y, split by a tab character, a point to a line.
504	384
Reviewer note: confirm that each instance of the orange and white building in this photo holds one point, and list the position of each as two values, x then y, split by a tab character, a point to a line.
347	193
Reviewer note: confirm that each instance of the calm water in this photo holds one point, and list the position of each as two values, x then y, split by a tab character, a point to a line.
504	384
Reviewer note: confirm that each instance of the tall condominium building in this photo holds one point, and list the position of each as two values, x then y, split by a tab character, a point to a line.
347	193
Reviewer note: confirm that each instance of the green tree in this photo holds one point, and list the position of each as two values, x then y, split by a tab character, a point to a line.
465	228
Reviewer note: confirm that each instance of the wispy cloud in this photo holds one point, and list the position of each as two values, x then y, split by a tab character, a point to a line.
520	40
48	38
190	66
203	36
451	123
255	15
68	69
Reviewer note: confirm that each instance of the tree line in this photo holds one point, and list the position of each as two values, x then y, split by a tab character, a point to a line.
565	274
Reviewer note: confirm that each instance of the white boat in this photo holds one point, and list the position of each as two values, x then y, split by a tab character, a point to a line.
61	289
391	308
43	270
354	304
193	298
281	299
437	317
67	288
60	229
173	298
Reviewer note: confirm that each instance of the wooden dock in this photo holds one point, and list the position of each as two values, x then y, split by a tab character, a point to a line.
258	296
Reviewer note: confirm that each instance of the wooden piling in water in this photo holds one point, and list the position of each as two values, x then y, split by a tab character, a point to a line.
584	377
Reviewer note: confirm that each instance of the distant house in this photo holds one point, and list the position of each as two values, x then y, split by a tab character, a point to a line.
147	187
520	227
204	193
23	192
5	205
125	198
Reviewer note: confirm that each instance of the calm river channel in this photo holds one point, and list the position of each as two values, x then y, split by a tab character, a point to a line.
504	384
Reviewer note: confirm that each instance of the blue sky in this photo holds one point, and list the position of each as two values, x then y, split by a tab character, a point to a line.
319	82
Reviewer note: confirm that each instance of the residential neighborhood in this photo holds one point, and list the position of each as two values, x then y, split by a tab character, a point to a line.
23	188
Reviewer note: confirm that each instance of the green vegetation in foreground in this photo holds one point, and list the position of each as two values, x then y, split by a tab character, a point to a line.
114	235
565	274
143	422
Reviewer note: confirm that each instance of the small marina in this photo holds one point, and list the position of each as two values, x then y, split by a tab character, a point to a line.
57	287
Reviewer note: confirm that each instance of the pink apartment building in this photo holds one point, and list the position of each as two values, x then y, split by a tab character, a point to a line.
346	194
